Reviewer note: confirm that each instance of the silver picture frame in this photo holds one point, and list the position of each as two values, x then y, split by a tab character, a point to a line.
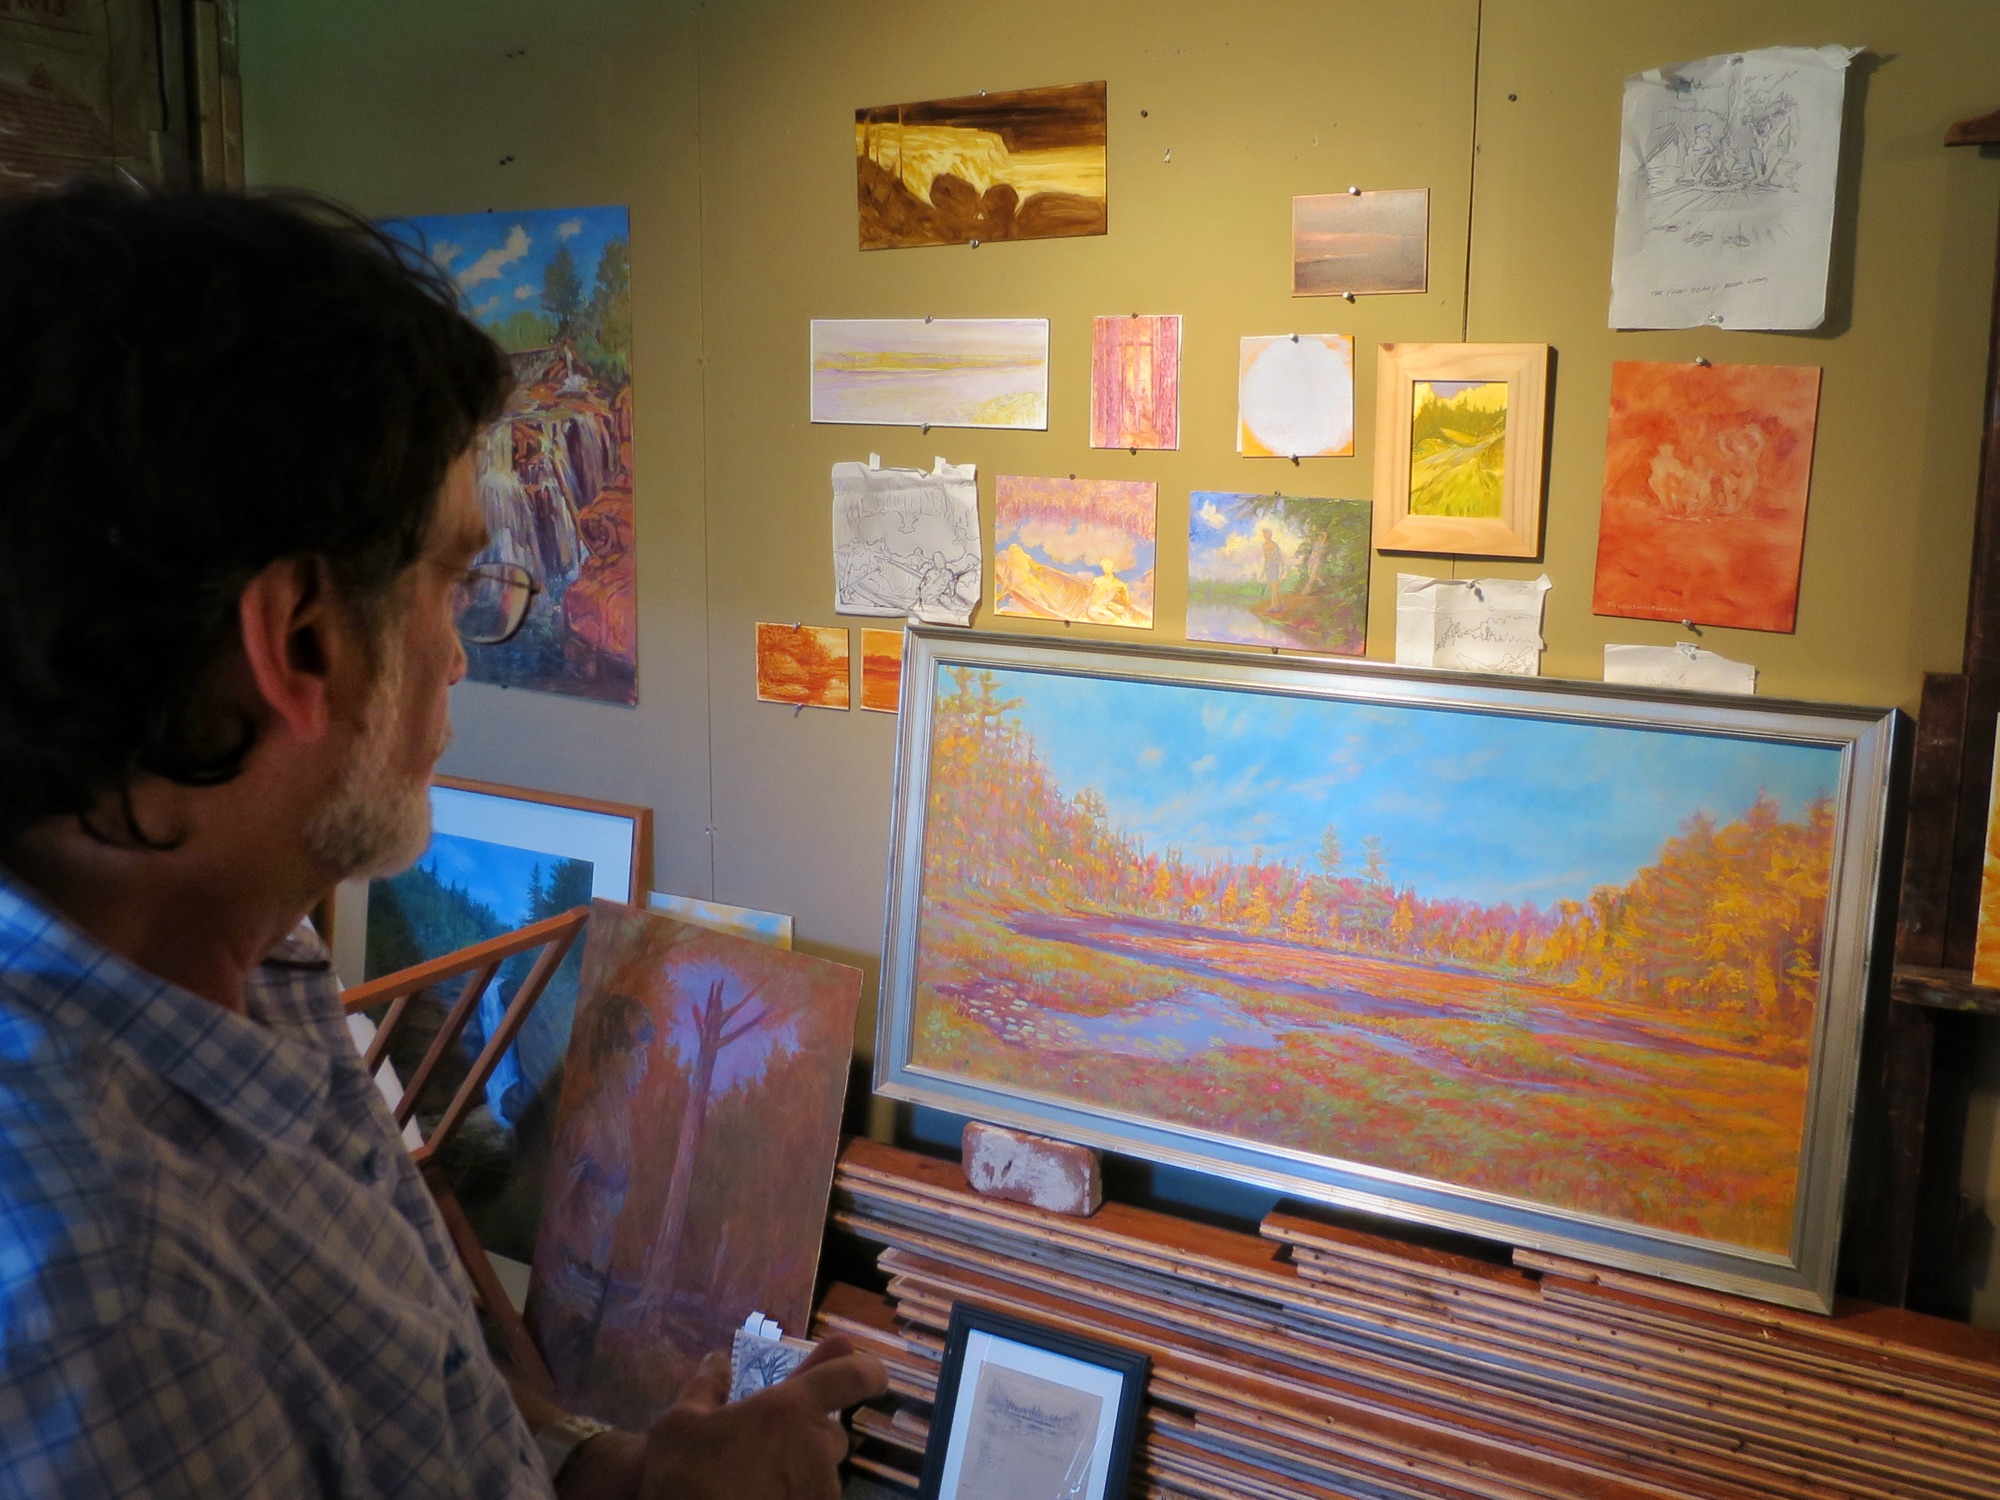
1852	749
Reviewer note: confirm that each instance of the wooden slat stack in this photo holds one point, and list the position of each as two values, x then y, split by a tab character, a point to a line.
1316	1361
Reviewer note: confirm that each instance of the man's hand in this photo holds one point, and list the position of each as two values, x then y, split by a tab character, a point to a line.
779	1444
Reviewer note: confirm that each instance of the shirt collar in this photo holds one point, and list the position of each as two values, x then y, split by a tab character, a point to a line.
266	1083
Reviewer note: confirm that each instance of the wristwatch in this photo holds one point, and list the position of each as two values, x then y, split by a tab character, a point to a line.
558	1442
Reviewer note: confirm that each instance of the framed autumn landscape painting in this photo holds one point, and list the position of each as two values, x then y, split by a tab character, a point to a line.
1568	966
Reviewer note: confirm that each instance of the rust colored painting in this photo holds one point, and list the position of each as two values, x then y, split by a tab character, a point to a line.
1023	165
694	1149
881	669
1075	549
1986	955
1705	479
1135	382
802	664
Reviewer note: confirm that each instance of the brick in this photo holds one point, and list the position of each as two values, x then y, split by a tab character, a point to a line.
1032	1169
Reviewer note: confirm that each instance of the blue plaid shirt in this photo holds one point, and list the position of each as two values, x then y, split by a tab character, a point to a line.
220	1274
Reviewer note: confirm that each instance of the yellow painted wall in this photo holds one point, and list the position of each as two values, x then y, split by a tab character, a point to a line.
726	128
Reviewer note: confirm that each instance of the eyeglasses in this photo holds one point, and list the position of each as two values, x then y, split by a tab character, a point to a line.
491	601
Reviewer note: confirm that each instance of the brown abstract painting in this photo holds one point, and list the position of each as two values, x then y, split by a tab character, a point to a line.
693	1154
881	670
802	664
1022	165
1705	479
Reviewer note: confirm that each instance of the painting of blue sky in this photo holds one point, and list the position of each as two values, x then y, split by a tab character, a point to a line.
500	261
1479	807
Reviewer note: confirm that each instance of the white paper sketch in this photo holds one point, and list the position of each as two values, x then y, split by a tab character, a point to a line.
906	542
1726	171
1028	1436
758	1361
1682	665
1470	625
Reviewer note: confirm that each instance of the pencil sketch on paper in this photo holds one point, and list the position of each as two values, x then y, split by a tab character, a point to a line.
1471	624
1075	549
1725	190
1028	1436
931	372
1135	382
906	542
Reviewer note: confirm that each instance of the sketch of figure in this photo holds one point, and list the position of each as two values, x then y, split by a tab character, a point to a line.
906	542
1727	170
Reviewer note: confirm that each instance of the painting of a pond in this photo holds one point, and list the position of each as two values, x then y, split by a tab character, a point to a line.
1574	964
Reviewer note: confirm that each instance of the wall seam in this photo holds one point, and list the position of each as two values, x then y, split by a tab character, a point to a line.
701	361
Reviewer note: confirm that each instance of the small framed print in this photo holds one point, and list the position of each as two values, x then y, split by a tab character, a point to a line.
1023	1409
1458	448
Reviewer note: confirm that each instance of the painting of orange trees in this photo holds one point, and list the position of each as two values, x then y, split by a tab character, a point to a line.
693	1152
1705	476
803	664
1574	964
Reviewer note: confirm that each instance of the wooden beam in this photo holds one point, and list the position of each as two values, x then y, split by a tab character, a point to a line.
1943	989
1982	130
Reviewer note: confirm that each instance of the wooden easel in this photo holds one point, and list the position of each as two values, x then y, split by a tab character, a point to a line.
1906	1255
479	963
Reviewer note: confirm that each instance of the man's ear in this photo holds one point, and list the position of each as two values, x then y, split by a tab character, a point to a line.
295	633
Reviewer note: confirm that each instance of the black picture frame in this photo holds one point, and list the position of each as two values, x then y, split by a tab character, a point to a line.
1128	1366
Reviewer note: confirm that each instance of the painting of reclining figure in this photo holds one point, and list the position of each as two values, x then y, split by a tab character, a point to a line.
1026	164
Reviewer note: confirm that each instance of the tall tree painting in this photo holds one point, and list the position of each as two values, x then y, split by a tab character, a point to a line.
553	288
693	1155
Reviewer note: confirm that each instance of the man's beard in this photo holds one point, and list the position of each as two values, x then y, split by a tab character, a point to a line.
378	820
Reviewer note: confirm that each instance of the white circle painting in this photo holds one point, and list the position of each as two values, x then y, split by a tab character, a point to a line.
1295	396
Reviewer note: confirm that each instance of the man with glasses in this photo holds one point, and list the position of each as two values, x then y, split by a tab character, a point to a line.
239	549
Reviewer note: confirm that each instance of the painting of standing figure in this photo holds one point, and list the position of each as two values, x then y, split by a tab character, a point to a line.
693	1155
553	288
1278	570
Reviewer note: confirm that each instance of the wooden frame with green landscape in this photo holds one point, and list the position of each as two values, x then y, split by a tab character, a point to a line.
1577	968
1468	481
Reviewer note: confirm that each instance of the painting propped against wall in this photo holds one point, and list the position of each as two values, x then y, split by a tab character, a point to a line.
1706	471
1573	972
1023	164
694	1151
553	288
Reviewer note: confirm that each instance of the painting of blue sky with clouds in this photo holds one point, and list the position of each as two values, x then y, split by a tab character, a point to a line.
1573	963
553	288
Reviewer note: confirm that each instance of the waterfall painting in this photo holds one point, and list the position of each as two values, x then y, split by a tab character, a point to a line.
693	1155
553	288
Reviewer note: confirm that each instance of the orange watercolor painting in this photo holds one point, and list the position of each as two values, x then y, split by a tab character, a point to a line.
1705	478
1986	955
881	670
802	664
1135	382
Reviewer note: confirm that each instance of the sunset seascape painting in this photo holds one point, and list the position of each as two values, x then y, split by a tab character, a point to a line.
1568	963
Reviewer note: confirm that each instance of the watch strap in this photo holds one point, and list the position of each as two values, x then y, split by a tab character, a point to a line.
558	1441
